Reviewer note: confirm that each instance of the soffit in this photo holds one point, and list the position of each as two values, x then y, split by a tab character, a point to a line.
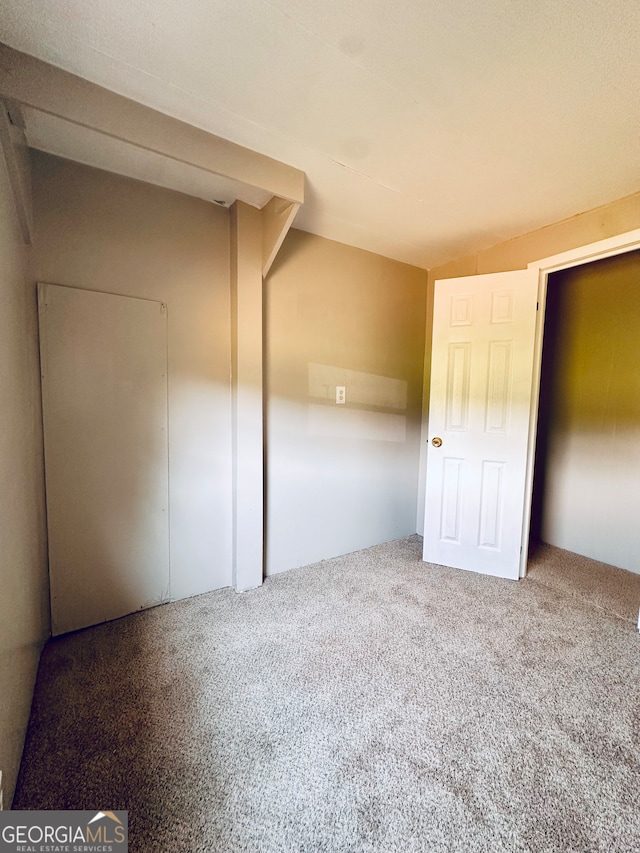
54	135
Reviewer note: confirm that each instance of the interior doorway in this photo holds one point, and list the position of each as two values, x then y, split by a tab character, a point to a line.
587	463
538	275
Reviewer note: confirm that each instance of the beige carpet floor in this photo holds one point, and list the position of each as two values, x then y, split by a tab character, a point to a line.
367	703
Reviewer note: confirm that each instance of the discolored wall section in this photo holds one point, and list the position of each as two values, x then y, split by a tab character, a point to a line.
341	477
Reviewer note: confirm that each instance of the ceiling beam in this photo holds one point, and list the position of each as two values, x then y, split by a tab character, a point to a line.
44	87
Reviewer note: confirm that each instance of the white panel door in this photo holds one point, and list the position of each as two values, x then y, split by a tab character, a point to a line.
104	391
481	386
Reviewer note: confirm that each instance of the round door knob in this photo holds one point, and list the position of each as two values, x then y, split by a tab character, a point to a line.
437	442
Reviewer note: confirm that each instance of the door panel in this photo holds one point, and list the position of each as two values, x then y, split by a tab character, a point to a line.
481	376
104	391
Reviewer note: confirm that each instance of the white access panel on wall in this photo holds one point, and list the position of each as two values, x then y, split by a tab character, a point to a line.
104	393
480	402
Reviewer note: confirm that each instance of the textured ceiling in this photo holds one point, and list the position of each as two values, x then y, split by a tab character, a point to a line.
427	129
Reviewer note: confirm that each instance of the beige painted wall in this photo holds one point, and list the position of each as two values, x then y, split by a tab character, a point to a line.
339	477
589	227
24	602
588	467
103	232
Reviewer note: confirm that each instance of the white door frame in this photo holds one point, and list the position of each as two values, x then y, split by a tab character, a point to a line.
617	245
